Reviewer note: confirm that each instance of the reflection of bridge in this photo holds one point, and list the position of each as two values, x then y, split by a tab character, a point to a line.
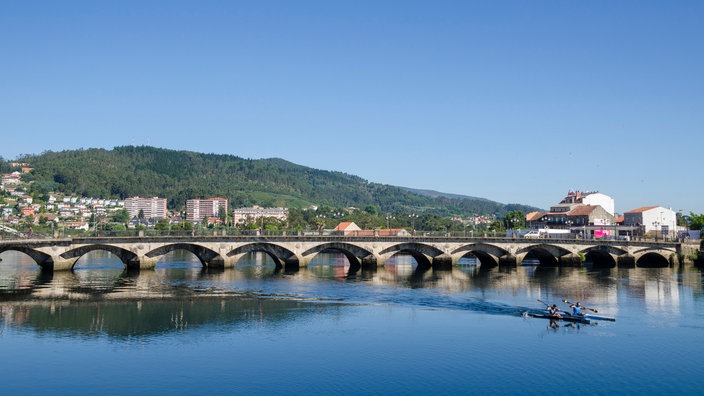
292	252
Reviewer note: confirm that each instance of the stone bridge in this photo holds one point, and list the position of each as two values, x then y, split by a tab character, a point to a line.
292	252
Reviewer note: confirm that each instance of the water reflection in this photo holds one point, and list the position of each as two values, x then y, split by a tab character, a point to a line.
141	318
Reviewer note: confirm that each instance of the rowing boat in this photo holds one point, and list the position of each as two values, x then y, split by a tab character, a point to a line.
597	317
575	319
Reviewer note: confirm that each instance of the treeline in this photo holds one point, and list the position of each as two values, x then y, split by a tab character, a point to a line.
180	175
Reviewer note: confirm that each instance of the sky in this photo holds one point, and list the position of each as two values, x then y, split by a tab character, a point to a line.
512	101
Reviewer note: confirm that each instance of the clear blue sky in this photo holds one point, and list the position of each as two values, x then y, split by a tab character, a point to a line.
513	101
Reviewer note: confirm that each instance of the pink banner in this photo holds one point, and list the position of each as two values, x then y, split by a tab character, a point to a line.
601	233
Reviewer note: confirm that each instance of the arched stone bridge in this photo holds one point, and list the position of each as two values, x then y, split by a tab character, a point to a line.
293	252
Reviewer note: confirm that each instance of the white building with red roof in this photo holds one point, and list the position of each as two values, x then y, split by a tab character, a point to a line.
653	219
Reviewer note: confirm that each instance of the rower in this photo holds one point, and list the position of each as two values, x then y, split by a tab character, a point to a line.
576	309
554	312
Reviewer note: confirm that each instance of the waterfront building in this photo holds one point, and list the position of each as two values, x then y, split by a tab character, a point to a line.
241	215
592	198
346	228
653	220
590	211
197	209
152	208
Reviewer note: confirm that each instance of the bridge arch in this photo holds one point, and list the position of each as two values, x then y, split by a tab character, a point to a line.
488	255
207	257
425	255
653	257
548	255
45	261
357	256
128	258
652	260
602	256
282	257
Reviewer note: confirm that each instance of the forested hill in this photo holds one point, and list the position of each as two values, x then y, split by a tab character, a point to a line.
179	175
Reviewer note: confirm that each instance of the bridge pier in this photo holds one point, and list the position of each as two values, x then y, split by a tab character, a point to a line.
570	260
146	262
442	262
508	260
292	263
626	261
50	261
369	262
57	263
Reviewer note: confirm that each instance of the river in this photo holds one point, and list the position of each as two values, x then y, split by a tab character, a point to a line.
181	330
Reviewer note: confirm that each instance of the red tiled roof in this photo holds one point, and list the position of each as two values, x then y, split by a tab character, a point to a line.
534	216
642	209
342	226
585	210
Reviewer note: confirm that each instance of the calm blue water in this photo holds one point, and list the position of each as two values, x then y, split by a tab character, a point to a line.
251	330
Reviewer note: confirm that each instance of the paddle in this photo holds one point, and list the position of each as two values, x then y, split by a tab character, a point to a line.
591	309
548	305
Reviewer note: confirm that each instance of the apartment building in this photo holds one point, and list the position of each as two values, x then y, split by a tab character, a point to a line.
197	209
241	215
152	208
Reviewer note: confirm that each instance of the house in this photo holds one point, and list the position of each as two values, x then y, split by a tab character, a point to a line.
349	228
534	219
137	221
592	198
589	215
346	228
50	217
384	232
576	209
75	225
653	220
27	211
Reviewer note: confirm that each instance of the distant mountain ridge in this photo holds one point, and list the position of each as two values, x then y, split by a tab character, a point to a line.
436	194
146	171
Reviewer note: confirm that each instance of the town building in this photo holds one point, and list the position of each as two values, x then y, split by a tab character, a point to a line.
242	215
592	198
197	209
583	213
151	208
652	220
348	228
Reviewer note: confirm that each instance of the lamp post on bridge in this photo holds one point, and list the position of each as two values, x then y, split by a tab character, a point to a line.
413	218
388	221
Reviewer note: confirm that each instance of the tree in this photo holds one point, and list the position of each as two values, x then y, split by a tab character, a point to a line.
696	221
162	225
515	219
121	216
496	225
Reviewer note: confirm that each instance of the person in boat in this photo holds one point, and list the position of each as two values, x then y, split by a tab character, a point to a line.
554	312
577	309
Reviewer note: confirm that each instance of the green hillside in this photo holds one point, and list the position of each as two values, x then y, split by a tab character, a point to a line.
179	175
